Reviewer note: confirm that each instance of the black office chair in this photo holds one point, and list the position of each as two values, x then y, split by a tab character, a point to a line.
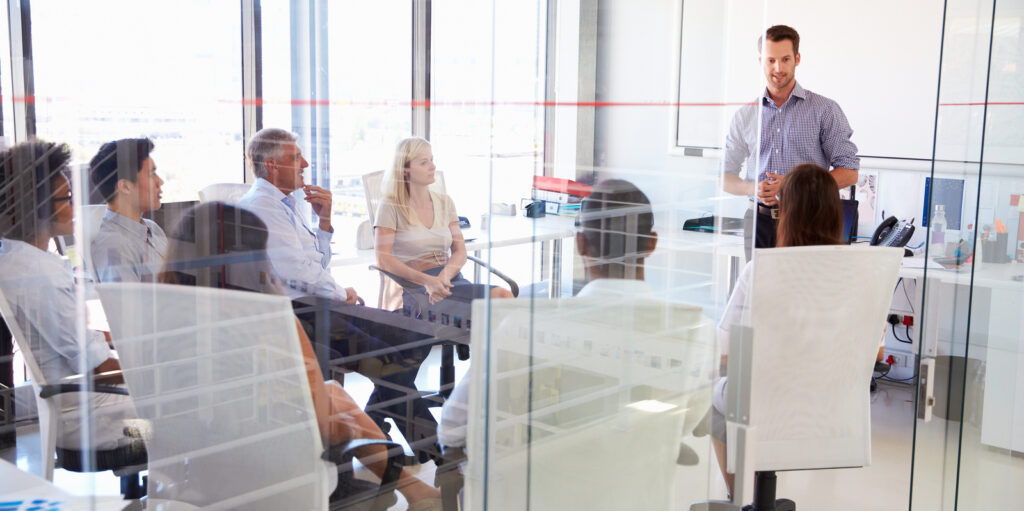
125	462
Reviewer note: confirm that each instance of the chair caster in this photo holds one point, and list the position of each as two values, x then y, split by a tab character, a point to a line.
780	505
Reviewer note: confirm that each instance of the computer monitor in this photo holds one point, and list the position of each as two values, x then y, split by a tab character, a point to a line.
850	219
949	193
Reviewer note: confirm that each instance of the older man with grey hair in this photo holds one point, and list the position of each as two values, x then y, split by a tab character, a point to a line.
299	254
299	257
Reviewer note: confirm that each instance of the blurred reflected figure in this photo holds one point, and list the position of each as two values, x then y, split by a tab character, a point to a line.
565	380
218	229
614	234
300	256
128	248
40	290
796	126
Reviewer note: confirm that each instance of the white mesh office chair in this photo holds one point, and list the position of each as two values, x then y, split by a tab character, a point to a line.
223	192
52	398
580	394
824	306
220	376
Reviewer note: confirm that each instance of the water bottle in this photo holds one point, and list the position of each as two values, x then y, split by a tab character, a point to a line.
937	246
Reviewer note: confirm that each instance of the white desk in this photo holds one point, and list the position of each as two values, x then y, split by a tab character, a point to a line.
994	338
18	486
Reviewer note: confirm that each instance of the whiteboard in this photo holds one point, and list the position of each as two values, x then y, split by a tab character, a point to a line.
878	59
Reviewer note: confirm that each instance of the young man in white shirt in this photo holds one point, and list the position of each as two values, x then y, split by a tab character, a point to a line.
128	248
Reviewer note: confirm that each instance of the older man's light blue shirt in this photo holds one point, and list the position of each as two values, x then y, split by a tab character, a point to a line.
807	128
300	255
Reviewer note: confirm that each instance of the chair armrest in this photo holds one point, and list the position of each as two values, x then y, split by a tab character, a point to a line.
342	454
47	391
508	280
405	283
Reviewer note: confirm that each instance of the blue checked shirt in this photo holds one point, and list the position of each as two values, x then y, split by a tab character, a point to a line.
808	128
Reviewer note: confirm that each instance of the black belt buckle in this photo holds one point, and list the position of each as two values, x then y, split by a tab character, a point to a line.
772	211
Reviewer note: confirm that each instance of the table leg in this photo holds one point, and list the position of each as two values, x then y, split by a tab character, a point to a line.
476	267
447	369
556	268
7	431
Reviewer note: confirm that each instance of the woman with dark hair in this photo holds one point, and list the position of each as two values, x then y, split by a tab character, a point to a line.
195	256
810	213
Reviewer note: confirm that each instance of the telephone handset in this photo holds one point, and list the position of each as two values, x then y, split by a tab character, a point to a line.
893	233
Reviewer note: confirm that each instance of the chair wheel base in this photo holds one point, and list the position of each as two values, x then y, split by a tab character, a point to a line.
780	505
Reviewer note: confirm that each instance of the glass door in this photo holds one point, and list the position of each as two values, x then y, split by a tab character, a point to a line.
969	434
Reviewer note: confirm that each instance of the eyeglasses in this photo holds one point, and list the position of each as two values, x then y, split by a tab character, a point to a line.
60	199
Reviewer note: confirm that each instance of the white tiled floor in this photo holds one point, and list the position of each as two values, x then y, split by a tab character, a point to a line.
885	485
989	479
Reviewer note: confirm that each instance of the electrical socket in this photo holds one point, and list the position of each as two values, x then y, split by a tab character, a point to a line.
901	360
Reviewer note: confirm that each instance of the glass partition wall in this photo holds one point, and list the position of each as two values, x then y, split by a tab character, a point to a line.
598	165
968	432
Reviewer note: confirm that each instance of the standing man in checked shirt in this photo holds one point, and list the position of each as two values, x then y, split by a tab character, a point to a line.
797	126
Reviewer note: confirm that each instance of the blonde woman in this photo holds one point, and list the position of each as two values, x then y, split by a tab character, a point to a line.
417	230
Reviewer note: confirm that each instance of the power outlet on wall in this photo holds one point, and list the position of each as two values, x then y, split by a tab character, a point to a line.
901	360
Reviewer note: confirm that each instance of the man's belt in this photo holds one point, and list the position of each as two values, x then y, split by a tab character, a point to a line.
772	211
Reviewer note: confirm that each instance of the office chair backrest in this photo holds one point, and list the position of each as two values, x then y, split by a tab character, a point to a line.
220	376
578	394
373	192
817	315
91	218
223	192
49	412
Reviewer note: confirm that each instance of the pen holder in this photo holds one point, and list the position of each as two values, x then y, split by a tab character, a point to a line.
994	251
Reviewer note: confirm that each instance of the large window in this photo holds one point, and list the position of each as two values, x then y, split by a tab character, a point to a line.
487	85
369	72
6	84
170	71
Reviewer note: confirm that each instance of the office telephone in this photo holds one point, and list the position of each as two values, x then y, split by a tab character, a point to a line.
893	233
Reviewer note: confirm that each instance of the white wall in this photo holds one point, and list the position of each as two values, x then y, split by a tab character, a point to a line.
636	48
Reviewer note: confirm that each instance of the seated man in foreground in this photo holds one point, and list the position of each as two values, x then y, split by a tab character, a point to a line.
614	262
128	248
40	290
601	379
300	257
